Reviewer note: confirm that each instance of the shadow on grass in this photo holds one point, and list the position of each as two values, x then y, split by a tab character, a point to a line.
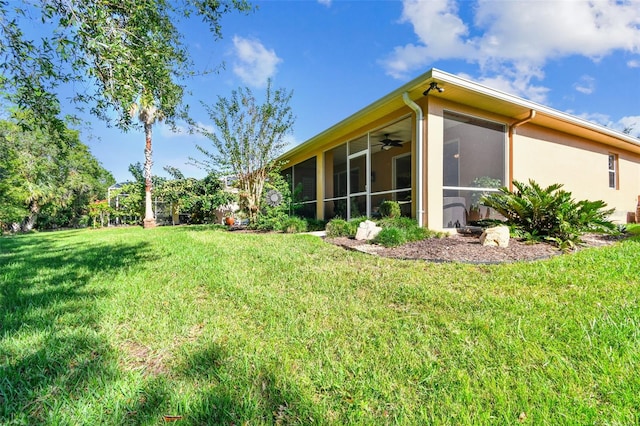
50	344
232	391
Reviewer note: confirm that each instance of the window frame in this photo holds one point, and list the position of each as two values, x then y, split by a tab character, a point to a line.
614	173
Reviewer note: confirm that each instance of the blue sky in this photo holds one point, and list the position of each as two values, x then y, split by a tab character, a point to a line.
338	56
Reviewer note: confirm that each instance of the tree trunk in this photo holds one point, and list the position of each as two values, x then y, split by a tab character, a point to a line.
149	219
175	214
29	222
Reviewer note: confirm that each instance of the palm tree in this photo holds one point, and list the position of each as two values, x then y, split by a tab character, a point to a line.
148	114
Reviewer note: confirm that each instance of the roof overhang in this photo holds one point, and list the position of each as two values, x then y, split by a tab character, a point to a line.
467	92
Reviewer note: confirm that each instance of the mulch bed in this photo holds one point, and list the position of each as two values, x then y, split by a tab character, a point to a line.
467	249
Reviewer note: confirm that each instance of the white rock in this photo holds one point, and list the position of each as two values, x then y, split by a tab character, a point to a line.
367	230
496	236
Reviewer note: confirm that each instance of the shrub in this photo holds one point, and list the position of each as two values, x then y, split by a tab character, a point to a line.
294	225
269	222
417	233
315	224
537	213
390	209
356	221
391	237
404	230
394	232
273	217
398	222
340	228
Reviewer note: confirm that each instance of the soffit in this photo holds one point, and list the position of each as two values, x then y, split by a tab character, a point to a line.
480	101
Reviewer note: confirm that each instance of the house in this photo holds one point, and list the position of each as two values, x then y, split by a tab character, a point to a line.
439	142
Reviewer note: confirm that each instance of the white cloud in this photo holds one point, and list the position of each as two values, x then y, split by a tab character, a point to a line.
440	32
634	63
207	127
515	38
586	85
325	2
516	81
519	85
254	64
290	141
535	31
598	118
629	124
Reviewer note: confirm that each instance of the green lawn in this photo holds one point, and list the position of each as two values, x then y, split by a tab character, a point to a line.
125	326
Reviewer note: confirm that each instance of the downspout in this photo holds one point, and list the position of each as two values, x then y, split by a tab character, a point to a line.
512	131
419	146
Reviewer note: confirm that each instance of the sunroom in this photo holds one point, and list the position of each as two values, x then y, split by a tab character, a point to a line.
436	152
359	174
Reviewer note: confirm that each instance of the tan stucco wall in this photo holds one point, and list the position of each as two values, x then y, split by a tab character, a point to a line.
433	168
319	186
549	157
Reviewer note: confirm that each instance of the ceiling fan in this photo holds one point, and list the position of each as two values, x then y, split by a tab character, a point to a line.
388	143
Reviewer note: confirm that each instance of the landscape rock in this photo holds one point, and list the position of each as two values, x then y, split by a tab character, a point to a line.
497	236
367	230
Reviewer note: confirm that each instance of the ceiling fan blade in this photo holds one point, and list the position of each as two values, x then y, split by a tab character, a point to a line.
388	141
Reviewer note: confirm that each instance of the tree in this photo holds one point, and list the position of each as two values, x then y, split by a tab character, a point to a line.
197	198
177	191
128	203
99	209
130	51
249	139
209	194
45	172
31	176
83	179
11	209
148	114
133	204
